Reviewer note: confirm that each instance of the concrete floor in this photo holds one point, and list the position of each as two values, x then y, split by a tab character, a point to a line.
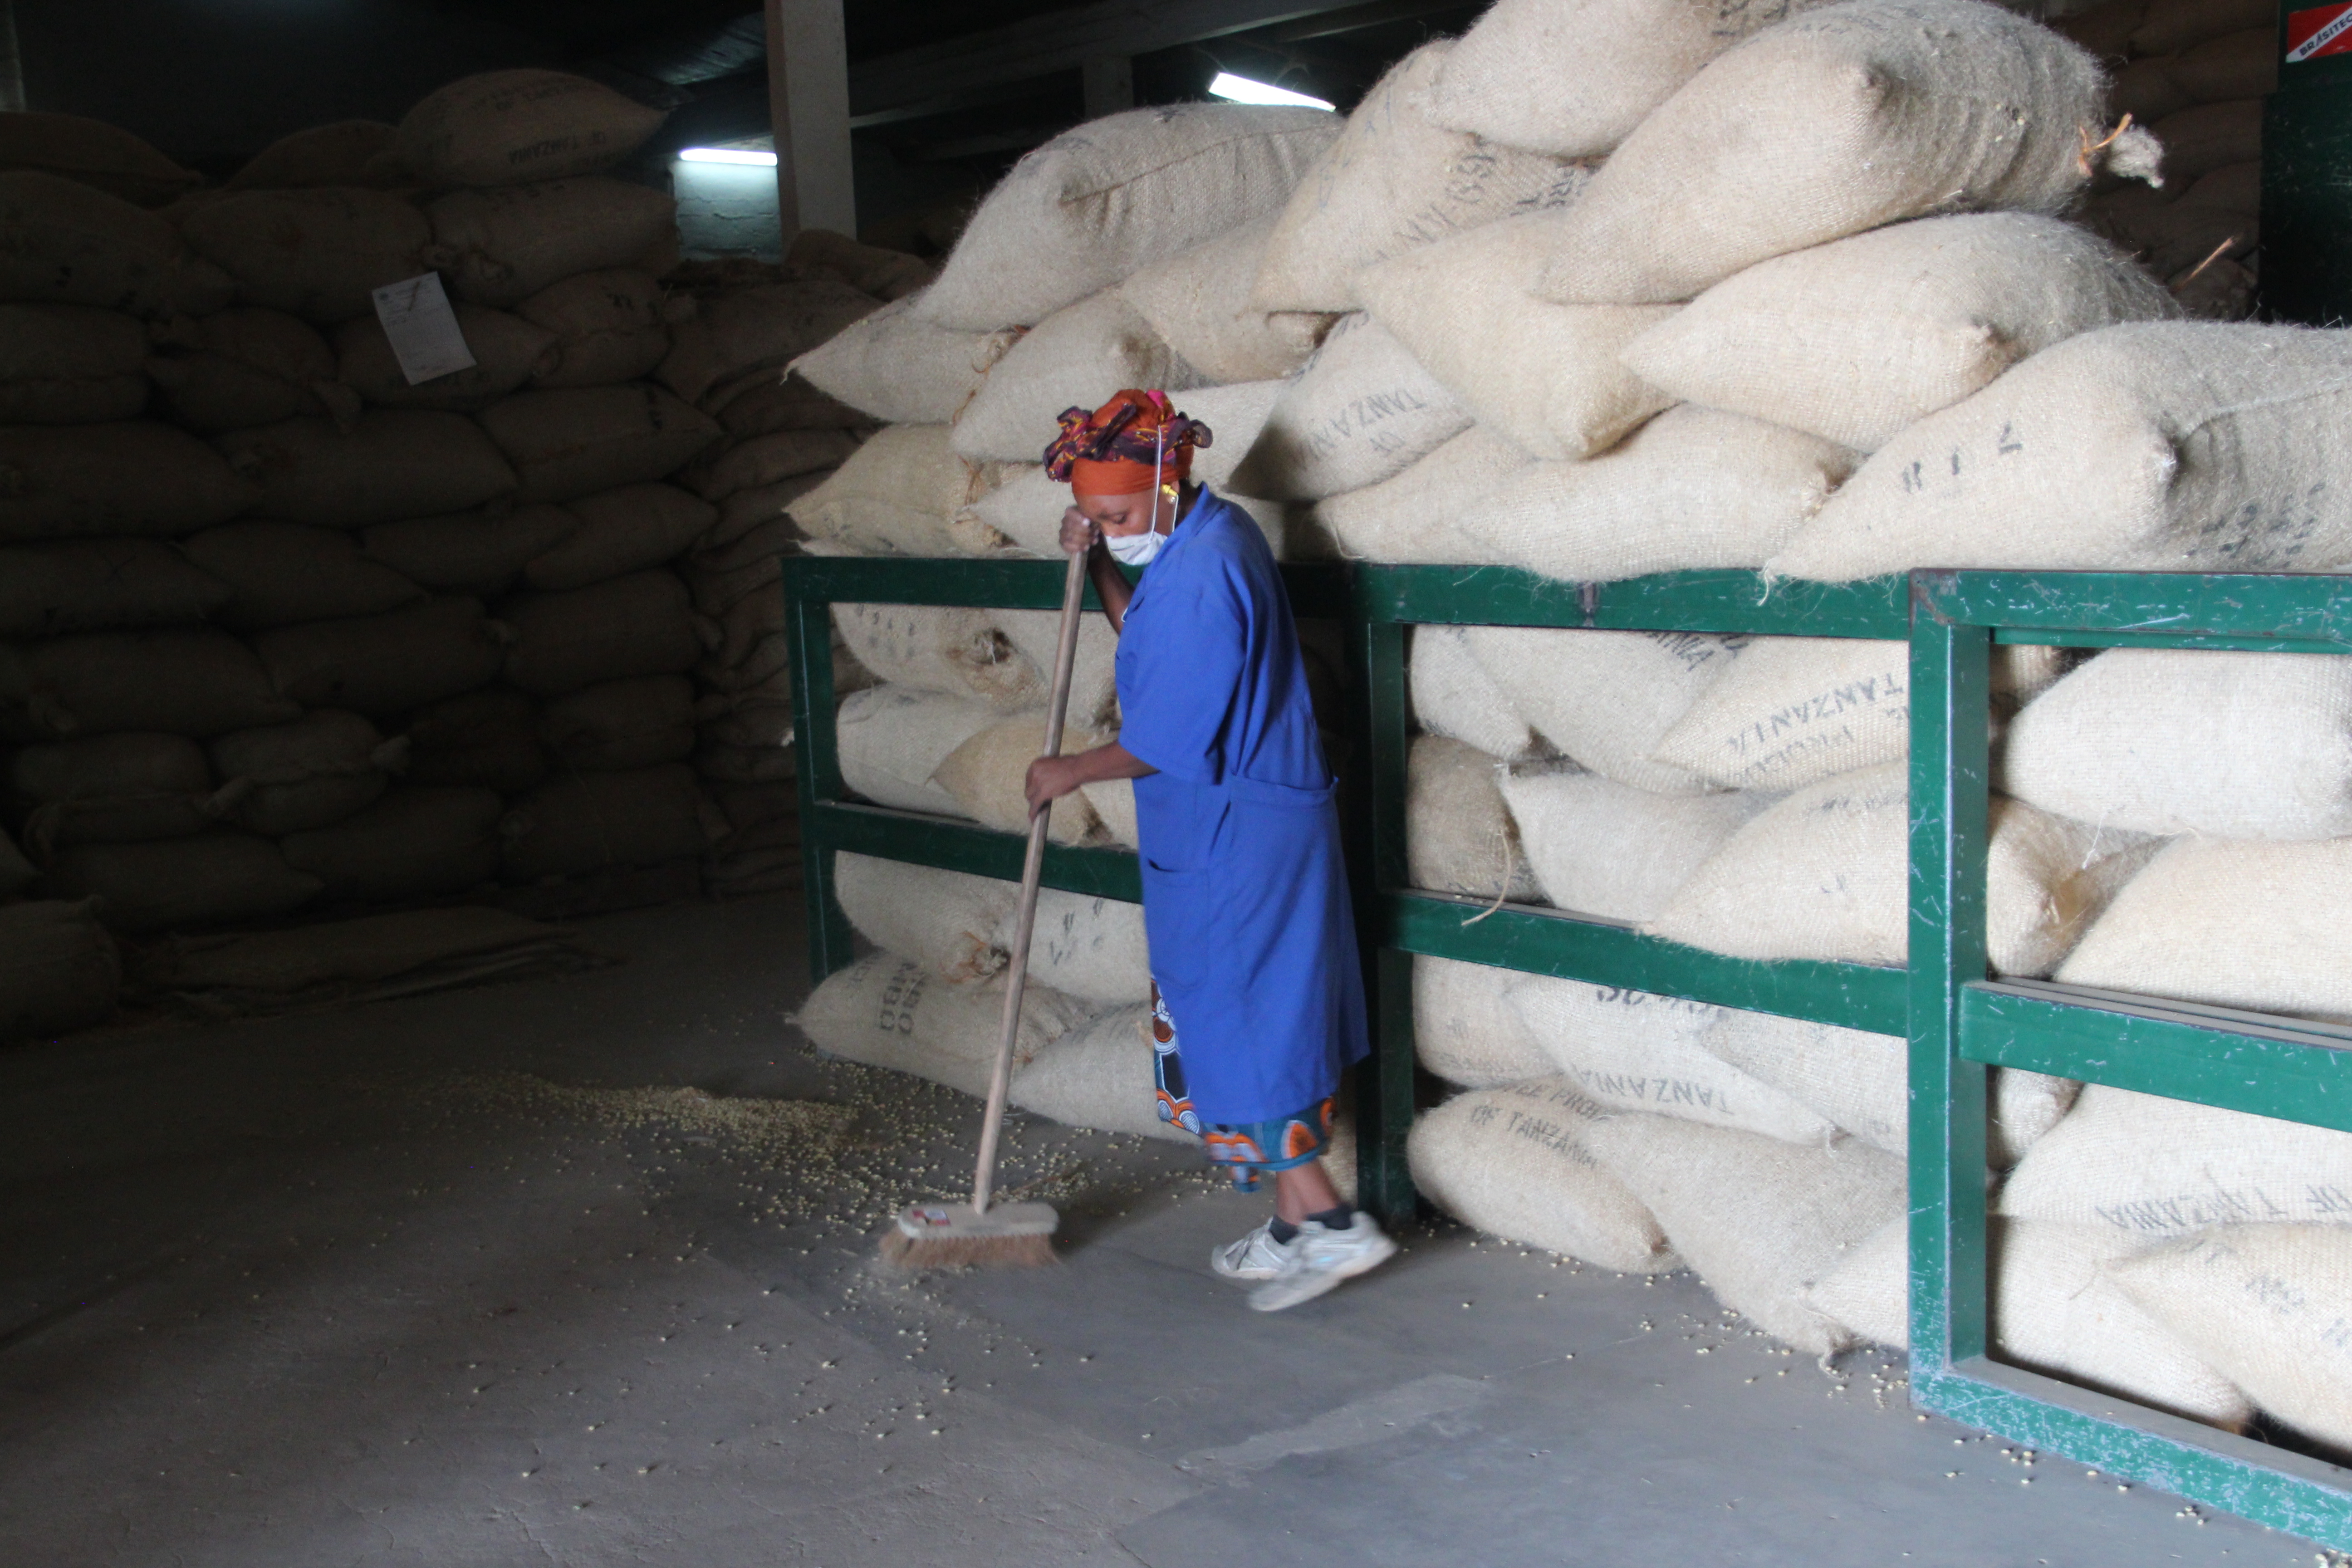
421	1283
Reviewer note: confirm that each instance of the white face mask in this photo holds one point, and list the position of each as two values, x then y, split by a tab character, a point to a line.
1135	549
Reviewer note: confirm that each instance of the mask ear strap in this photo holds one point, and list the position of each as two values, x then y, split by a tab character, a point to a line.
1158	463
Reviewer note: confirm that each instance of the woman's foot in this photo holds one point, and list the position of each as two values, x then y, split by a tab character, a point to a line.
1255	1257
1322	1258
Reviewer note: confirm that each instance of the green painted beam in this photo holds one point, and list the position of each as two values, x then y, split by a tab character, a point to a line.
1729	602
1316	588
818	769
2221	610
2240	1061
2287	1492
953	846
1609	953
2149	639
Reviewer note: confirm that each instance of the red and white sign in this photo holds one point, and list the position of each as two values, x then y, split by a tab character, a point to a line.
2321	30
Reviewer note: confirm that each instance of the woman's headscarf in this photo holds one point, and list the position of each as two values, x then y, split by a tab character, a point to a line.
1134	443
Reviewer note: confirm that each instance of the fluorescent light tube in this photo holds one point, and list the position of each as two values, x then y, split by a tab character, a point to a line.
1242	90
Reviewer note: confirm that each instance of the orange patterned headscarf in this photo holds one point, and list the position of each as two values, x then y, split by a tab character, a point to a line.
1129	445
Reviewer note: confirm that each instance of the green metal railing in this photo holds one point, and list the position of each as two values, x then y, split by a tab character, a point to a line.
1958	1020
1962	1022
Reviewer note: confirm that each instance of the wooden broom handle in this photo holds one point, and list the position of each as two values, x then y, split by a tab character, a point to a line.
1033	872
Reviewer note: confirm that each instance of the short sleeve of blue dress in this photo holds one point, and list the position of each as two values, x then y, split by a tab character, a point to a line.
1244	890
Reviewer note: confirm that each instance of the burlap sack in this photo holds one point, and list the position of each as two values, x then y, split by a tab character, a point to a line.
1858	338
1604	849
608	326
900	494
2235	924
1760	1220
638	722
1836	121
1093	689
1454	695
987	774
1606	698
941	649
1631	1050
94	153
2154	1167
1459	836
282	573
618	532
1824	874
585	823
289	778
740	465
1080	355
70	364
392	463
892	1012
504	126
47	590
1574	79
883	272
240	369
1693	489
107	789
2264	1305
58	970
479	552
902	368
1795	710
638	625
2055	1308
2231	745
2157	447
412	843
81	481
384	666
344	152
1512	1162
1114	804
347	952
1546	376
203	880
1198	303
1090	948
2243	64
187	682
955	923
1092	205
1364	409
72	244
507	352
1236	416
731	340
1098	1075
574	441
1394	181
500	246
1861	1081
489	739
894	738
1465	1029
1414	516
319	254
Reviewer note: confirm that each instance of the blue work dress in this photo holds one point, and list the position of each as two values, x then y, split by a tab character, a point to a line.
1244	893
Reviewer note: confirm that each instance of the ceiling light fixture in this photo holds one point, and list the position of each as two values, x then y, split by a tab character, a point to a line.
727	155
1242	90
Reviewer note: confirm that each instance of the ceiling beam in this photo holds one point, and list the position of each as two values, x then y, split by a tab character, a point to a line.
1062	40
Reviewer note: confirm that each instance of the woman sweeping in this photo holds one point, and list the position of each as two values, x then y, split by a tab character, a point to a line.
1257	1000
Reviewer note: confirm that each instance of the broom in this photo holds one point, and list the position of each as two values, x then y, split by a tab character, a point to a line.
949	1236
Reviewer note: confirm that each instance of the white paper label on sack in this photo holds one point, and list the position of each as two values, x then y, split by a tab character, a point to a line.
423	329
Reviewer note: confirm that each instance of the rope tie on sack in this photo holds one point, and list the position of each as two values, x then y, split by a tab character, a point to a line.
2190	276
1510	857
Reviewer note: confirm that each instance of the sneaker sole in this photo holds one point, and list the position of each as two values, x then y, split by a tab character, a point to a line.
1274	1298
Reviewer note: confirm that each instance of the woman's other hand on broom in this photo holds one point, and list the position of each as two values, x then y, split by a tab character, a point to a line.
1051	778
1079	533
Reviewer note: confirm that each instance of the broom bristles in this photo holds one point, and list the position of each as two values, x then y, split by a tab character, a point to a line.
903	1251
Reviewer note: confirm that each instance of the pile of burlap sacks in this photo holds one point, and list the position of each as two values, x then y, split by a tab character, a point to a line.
1608	289
286	635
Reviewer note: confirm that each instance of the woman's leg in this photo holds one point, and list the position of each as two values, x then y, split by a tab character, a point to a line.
1304	1190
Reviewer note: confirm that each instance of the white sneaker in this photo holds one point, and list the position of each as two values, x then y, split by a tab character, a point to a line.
1256	1257
1321	1259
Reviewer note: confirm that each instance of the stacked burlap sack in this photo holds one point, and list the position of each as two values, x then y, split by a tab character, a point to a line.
2194	72
285	633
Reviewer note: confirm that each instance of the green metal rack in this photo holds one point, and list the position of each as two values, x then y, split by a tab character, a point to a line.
1958	1021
